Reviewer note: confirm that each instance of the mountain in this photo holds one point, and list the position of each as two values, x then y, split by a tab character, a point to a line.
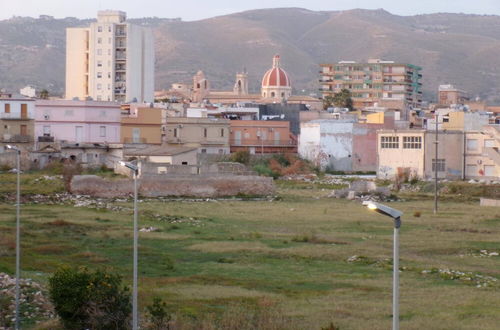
452	48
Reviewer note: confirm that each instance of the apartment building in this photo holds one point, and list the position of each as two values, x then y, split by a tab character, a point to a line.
79	122
385	83
142	126
17	114
449	94
482	153
262	136
210	135
111	60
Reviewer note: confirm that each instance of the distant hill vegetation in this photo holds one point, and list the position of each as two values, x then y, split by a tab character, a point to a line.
452	48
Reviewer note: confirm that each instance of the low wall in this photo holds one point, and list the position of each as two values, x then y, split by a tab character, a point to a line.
157	186
489	202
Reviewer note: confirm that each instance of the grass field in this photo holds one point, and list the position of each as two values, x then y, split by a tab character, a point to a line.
291	253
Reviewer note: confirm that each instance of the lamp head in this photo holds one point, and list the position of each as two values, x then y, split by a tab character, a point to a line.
383	209
129	165
11	147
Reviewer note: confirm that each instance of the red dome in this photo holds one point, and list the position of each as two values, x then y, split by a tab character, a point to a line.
276	76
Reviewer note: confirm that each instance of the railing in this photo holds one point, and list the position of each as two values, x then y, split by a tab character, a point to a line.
45	139
260	143
14	116
17	138
136	140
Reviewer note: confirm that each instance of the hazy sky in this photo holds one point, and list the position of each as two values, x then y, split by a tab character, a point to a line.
198	9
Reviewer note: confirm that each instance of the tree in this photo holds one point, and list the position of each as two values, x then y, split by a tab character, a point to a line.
159	317
327	102
343	99
90	300
44	94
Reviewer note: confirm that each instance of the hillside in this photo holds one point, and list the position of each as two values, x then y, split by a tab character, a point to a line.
452	48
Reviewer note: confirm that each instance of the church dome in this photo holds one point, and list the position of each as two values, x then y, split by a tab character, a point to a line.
276	76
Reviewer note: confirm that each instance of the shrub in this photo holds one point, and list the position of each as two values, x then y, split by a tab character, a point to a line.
417	214
158	316
90	300
242	157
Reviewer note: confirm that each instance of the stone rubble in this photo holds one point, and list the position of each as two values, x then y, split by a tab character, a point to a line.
34	301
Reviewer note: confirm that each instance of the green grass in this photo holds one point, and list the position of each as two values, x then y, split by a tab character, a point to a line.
207	256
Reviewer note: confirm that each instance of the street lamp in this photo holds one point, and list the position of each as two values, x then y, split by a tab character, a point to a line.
135	170
18	228
396	215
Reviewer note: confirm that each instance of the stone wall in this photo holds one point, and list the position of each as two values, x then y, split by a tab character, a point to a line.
157	186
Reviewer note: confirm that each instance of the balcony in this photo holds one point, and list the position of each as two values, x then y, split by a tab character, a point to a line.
262	143
17	138
14	116
45	138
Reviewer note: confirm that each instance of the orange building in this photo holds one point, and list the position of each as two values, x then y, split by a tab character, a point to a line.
262	136
142	125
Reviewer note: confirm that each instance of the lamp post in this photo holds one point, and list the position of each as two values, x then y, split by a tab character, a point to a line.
18	229
396	215
135	320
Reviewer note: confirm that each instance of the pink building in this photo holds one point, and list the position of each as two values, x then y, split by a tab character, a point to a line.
77	121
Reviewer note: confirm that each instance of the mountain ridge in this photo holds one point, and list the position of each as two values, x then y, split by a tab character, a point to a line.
452	48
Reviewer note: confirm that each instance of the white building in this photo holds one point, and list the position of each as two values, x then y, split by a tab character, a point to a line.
28	91
110	61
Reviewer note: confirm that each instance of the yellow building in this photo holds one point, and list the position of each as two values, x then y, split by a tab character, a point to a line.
482	156
211	135
142	125
400	151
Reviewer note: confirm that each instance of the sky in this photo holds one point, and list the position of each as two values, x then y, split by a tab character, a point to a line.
190	10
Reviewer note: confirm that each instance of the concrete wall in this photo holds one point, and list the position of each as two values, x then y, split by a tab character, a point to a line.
156	186
76	62
450	148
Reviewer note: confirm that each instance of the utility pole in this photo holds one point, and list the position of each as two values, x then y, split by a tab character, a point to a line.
436	142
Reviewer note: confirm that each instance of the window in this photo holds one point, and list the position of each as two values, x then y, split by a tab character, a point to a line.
109	51
99	74
109	40
489	143
46	130
99	28
99	40
109	74
175	132
109	28
412	142
99	98
99	64
99	52
203	151
472	144
99	86
102	131
389	142
23	130
7	108
205	132
221	132
441	165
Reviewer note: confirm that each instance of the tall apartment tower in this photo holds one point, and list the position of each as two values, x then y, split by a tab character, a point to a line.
111	60
386	83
